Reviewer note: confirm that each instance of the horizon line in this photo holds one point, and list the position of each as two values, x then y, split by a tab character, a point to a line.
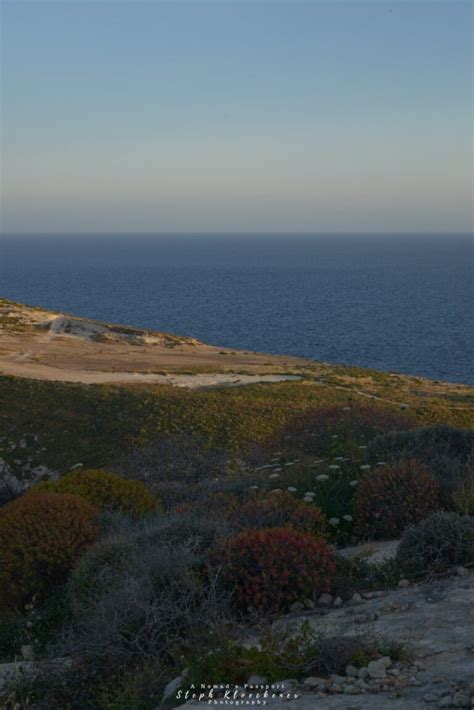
249	233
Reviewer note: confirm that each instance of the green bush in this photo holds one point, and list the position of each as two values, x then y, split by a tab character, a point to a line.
463	497
441	541
104	489
35	625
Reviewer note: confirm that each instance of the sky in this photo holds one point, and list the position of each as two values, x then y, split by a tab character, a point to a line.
236	116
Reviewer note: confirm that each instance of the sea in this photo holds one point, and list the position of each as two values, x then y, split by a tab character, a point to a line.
398	303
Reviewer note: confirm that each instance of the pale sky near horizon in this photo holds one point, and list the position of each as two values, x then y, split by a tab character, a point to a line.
236	116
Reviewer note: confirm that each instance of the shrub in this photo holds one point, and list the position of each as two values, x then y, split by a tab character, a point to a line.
136	601
391	498
271	510
314	431
183	457
463	497
272	568
281	654
97	571
446	451
196	531
107	490
437	543
41	538
36	626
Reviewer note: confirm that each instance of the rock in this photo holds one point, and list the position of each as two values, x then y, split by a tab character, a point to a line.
377	669
446	702
309	604
431	697
296	607
461	700
313	682
338	602
372	595
462	571
257	680
286	685
363	673
386	660
351	671
356	599
172	687
27	652
325	600
404	583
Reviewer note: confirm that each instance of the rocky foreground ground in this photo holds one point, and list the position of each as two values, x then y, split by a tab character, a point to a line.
435	619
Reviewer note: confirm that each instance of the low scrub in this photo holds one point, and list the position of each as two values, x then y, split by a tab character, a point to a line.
41	538
281	655
463	497
446	451
337	429
441	541
391	498
104	489
135	602
272	568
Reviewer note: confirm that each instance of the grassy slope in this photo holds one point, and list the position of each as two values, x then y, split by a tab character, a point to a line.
60	424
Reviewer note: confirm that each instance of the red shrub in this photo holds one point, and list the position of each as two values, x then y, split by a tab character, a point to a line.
41	537
270	569
393	497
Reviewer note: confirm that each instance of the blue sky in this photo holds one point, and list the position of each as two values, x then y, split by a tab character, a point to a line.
236	116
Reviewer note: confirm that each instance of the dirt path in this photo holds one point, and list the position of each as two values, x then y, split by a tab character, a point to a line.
16	365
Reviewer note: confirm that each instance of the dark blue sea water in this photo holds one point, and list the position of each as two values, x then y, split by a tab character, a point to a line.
399	303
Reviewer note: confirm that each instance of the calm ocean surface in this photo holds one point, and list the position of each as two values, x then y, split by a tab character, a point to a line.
399	303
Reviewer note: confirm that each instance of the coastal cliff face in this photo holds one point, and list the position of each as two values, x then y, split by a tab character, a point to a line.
49	345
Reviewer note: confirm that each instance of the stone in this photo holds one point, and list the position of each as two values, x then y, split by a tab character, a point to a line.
28	652
257	680
314	682
386	660
461	700
377	669
363	673
351	671
309	604
404	583
446	702
431	698
325	600
356	598
462	572
296	607
172	687
338	602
